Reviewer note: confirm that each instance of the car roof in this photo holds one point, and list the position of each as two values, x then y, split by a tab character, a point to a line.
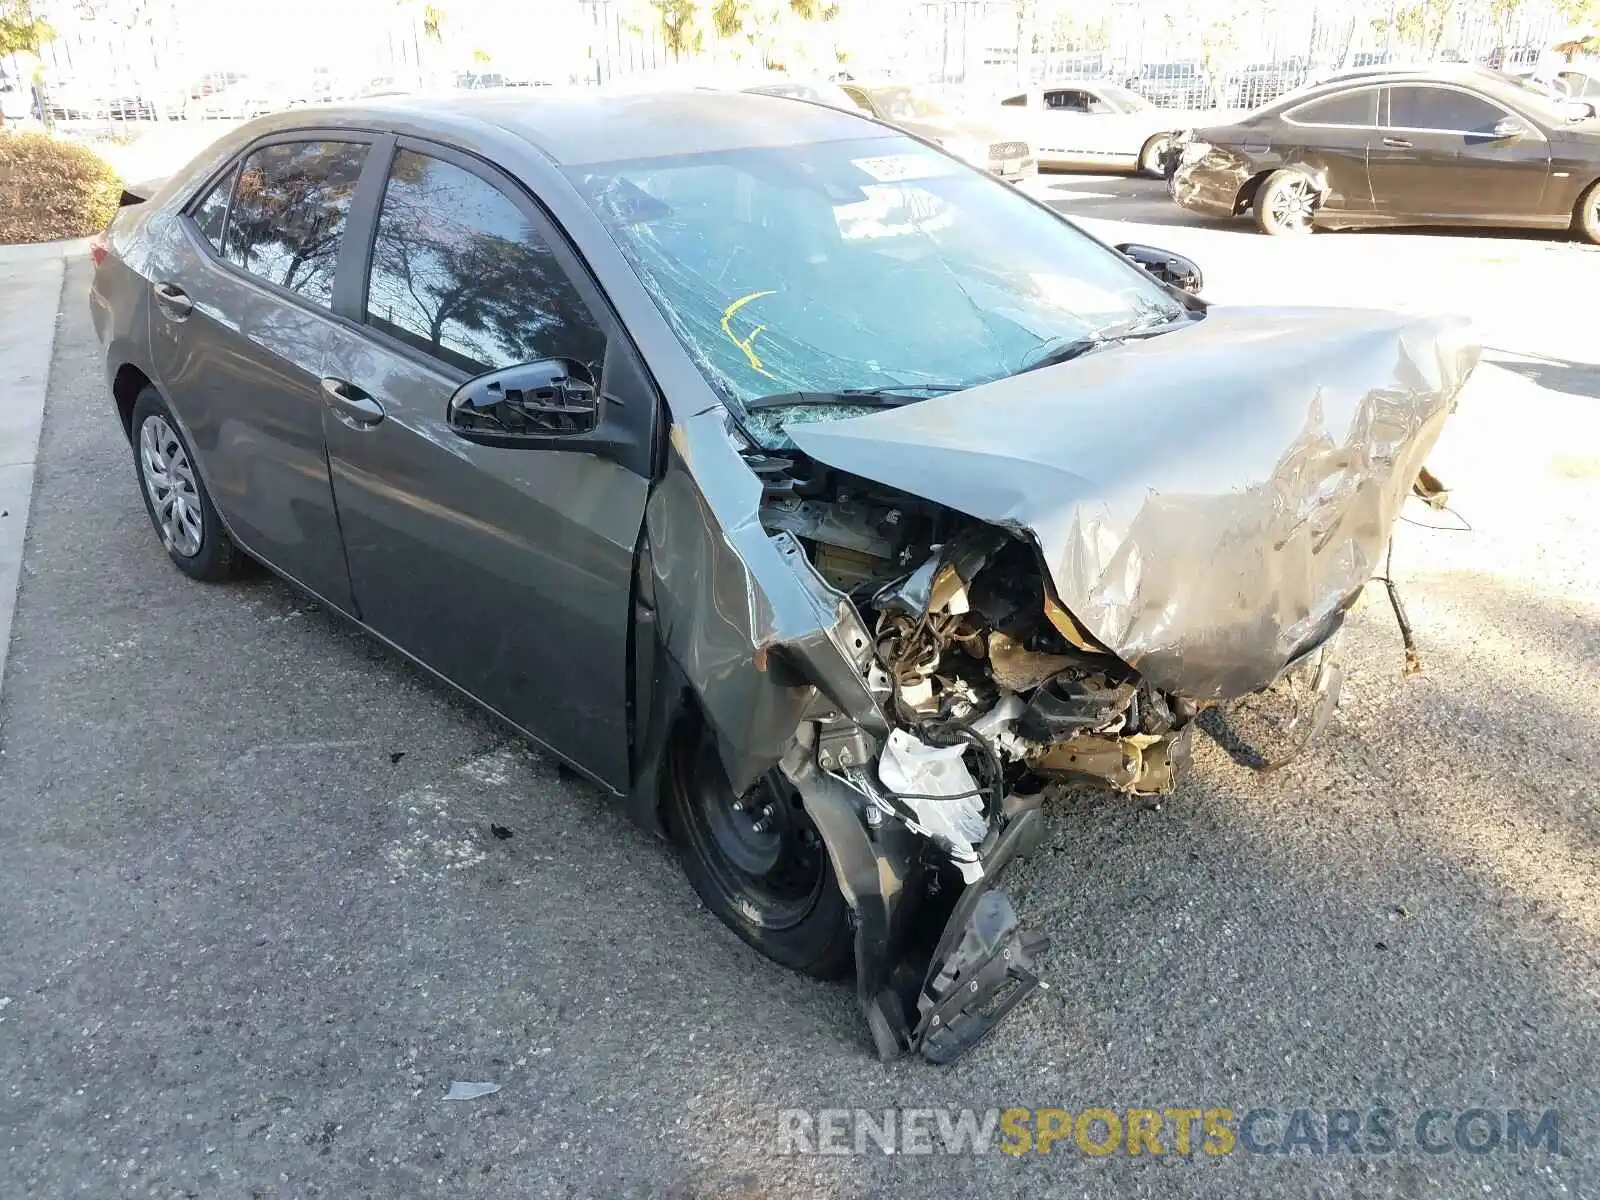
1465	74
584	126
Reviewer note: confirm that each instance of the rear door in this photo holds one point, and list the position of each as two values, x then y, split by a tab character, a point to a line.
507	570
1442	152
243	288
1334	135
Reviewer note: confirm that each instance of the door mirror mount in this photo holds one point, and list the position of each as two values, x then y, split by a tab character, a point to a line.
1174	270
536	403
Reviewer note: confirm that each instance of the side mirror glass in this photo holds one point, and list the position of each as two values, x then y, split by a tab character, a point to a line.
1509	128
1172	269
553	397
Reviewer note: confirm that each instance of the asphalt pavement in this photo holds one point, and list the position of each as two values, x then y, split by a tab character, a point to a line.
257	918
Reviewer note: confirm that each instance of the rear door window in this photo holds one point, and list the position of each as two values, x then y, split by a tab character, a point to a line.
1443	109
461	273
290	205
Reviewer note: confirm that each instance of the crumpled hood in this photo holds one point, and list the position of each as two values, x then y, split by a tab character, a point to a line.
1207	502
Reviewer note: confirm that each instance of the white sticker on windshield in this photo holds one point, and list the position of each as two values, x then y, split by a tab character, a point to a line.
897	168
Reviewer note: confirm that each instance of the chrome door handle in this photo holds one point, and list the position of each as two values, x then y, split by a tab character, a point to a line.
1397	143
174	301
350	404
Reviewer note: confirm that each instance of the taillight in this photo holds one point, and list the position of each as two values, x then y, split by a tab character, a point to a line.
99	247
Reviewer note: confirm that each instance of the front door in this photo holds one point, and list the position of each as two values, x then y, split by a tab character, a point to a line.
507	570
243	286
1441	153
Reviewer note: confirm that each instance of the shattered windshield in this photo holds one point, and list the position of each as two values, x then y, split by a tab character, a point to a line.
865	264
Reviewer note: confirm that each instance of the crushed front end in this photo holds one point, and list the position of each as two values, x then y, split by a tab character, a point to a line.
925	617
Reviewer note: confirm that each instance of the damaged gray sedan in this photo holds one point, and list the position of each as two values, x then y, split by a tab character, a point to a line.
820	496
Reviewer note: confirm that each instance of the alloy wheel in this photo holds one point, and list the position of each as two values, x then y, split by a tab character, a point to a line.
1293	204
169	482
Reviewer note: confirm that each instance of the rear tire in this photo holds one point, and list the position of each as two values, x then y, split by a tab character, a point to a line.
775	886
1285	204
176	499
1586	221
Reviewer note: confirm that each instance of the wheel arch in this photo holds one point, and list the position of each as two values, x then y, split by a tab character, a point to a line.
667	714
1246	196
126	385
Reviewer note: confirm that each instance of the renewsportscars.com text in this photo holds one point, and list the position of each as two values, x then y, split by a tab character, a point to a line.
1100	1131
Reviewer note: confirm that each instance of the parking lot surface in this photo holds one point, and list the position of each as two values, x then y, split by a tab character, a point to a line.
257	919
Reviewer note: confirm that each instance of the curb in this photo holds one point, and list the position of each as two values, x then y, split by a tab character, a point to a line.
31	288
43	251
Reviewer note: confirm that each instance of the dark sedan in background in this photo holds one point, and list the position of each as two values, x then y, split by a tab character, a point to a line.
1461	146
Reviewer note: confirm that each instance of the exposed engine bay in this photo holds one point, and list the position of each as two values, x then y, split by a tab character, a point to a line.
993	687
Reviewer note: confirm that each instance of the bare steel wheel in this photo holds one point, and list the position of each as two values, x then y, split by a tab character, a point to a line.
757	861
175	496
1286	204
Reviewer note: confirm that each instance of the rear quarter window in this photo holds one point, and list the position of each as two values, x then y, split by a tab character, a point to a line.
212	210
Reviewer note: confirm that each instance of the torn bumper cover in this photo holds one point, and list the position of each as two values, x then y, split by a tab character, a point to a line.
936	997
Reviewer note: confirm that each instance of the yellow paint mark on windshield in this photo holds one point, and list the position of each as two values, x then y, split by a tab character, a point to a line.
748	344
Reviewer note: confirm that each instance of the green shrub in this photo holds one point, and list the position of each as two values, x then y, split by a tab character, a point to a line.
53	189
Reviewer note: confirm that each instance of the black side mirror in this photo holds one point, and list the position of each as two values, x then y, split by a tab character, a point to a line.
1172	269
527	403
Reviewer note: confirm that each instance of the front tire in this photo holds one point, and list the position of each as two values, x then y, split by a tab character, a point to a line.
1286	204
757	862
176	499
1586	221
